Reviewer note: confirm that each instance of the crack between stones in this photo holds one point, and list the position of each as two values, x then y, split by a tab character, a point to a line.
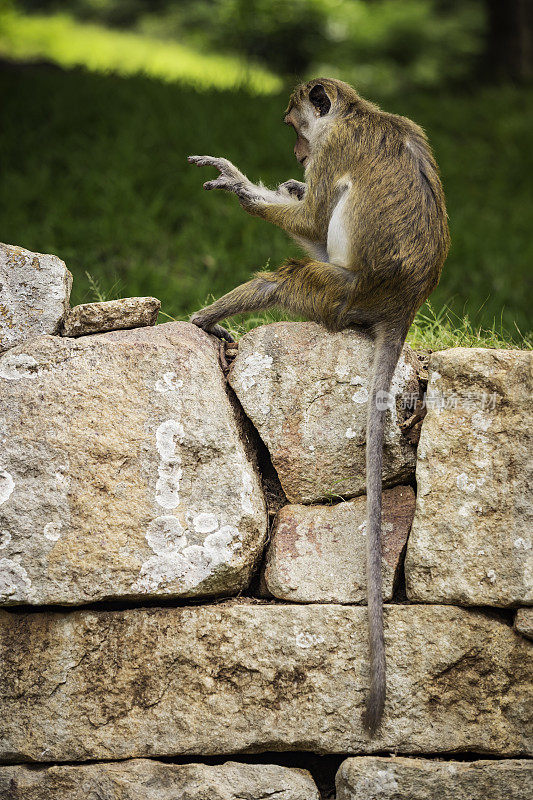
280	757
503	615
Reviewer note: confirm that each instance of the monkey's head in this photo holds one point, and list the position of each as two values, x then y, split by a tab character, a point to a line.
312	106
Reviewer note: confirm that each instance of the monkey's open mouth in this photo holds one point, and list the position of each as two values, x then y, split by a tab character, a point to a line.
302	161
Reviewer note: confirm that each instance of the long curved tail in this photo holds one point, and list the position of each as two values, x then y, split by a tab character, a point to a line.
387	352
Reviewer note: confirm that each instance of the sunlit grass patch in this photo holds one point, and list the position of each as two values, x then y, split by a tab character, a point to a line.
69	43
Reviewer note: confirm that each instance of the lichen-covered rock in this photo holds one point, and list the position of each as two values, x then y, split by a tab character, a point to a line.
318	553
523	622
306	392
112	315
471	541
123	472
373	778
144	779
245	677
34	294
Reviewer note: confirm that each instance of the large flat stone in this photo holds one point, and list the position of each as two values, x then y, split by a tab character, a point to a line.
143	779
318	553
371	778
238	677
123	470
34	294
471	541
111	315
306	392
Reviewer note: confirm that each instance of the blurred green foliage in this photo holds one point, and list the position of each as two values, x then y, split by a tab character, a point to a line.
380	45
68	42
121	13
383	45
94	169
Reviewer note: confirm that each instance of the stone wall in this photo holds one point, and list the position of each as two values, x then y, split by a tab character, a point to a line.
182	573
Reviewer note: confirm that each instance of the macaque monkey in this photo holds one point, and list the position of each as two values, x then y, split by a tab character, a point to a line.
371	216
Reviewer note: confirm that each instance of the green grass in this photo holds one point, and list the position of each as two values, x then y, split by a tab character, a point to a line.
439	330
70	43
94	169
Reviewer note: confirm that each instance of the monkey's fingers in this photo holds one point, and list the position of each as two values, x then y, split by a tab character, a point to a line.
295	188
222	182
222	164
201	161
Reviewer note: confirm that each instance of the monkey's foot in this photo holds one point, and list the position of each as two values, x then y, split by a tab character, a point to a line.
221	333
409	423
215	330
227	353
222	357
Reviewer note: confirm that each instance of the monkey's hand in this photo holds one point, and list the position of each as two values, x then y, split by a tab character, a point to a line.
293	188
231	179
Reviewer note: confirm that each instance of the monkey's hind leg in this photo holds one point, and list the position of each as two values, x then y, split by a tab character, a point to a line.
319	291
316	290
259	293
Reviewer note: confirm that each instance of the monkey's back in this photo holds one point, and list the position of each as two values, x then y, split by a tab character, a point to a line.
397	211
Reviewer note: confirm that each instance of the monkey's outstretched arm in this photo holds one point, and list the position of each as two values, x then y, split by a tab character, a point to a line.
314	289
286	207
280	208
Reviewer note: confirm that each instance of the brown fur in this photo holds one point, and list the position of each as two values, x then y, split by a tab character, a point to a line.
396	240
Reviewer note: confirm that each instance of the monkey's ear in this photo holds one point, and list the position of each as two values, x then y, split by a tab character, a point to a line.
320	99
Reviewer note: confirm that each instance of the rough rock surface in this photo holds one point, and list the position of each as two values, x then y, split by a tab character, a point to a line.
238	676
471	541
306	392
122	470
34	294
143	779
112	315
523	622
318	553
421	779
